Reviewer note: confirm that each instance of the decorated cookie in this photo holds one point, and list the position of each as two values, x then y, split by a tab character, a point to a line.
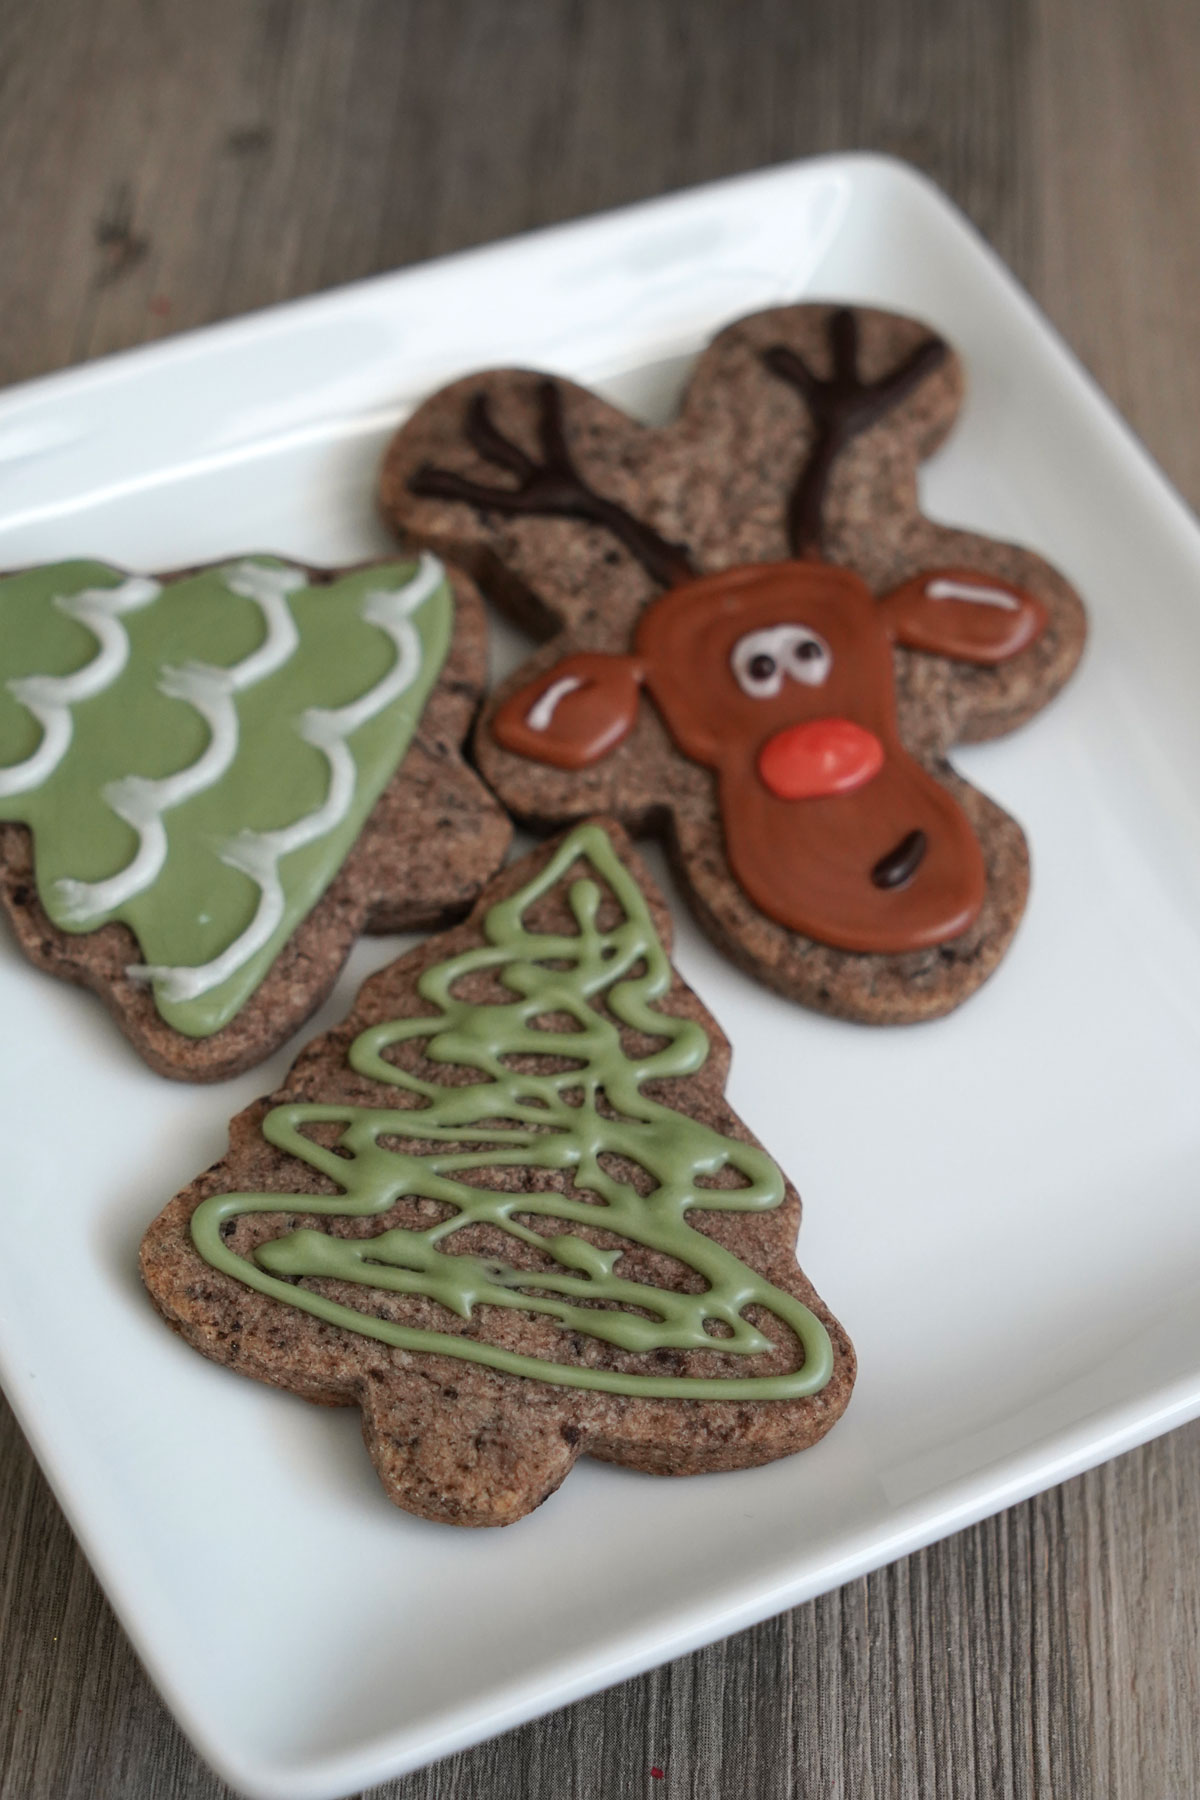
212	783
761	649
506	1210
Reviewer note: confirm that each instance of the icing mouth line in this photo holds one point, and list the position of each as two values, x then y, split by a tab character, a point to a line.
897	868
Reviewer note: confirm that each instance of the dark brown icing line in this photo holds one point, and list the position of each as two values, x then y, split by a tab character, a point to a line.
842	406
552	487
900	864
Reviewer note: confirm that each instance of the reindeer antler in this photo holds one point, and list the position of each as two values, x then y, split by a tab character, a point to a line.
842	405
552	486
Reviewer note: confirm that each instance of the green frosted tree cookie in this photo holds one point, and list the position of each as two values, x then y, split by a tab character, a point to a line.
513	1176
569	1120
195	758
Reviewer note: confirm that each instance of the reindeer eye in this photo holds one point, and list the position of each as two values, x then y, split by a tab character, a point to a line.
755	663
761	659
809	658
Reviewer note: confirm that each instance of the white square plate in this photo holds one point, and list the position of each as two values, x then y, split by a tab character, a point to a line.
1002	1206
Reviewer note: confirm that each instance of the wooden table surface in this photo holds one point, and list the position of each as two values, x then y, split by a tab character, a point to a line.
165	163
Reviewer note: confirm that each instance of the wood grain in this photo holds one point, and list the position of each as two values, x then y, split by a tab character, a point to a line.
166	165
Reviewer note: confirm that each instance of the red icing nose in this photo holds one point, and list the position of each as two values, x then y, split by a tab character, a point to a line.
825	756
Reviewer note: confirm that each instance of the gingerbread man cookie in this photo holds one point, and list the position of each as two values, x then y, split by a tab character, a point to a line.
760	648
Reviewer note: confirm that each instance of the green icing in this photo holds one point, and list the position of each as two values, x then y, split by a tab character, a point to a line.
207	895
572	1121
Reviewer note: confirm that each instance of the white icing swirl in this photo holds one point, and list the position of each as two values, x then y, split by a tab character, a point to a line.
259	853
540	716
140	801
50	697
942	589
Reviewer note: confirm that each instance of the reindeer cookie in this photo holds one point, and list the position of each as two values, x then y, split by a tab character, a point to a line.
211	783
506	1211
761	650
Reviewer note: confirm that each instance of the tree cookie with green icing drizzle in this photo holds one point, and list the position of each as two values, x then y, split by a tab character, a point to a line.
506	1210
212	783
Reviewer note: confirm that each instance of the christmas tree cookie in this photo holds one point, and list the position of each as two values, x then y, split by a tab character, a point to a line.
212	783
506	1210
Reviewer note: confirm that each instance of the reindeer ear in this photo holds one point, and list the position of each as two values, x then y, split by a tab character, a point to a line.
575	713
963	614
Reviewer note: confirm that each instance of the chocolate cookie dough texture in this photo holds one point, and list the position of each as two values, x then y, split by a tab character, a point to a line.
212	783
760	649
506	1210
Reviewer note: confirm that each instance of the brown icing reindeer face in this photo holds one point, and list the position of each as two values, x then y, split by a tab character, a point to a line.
779	675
